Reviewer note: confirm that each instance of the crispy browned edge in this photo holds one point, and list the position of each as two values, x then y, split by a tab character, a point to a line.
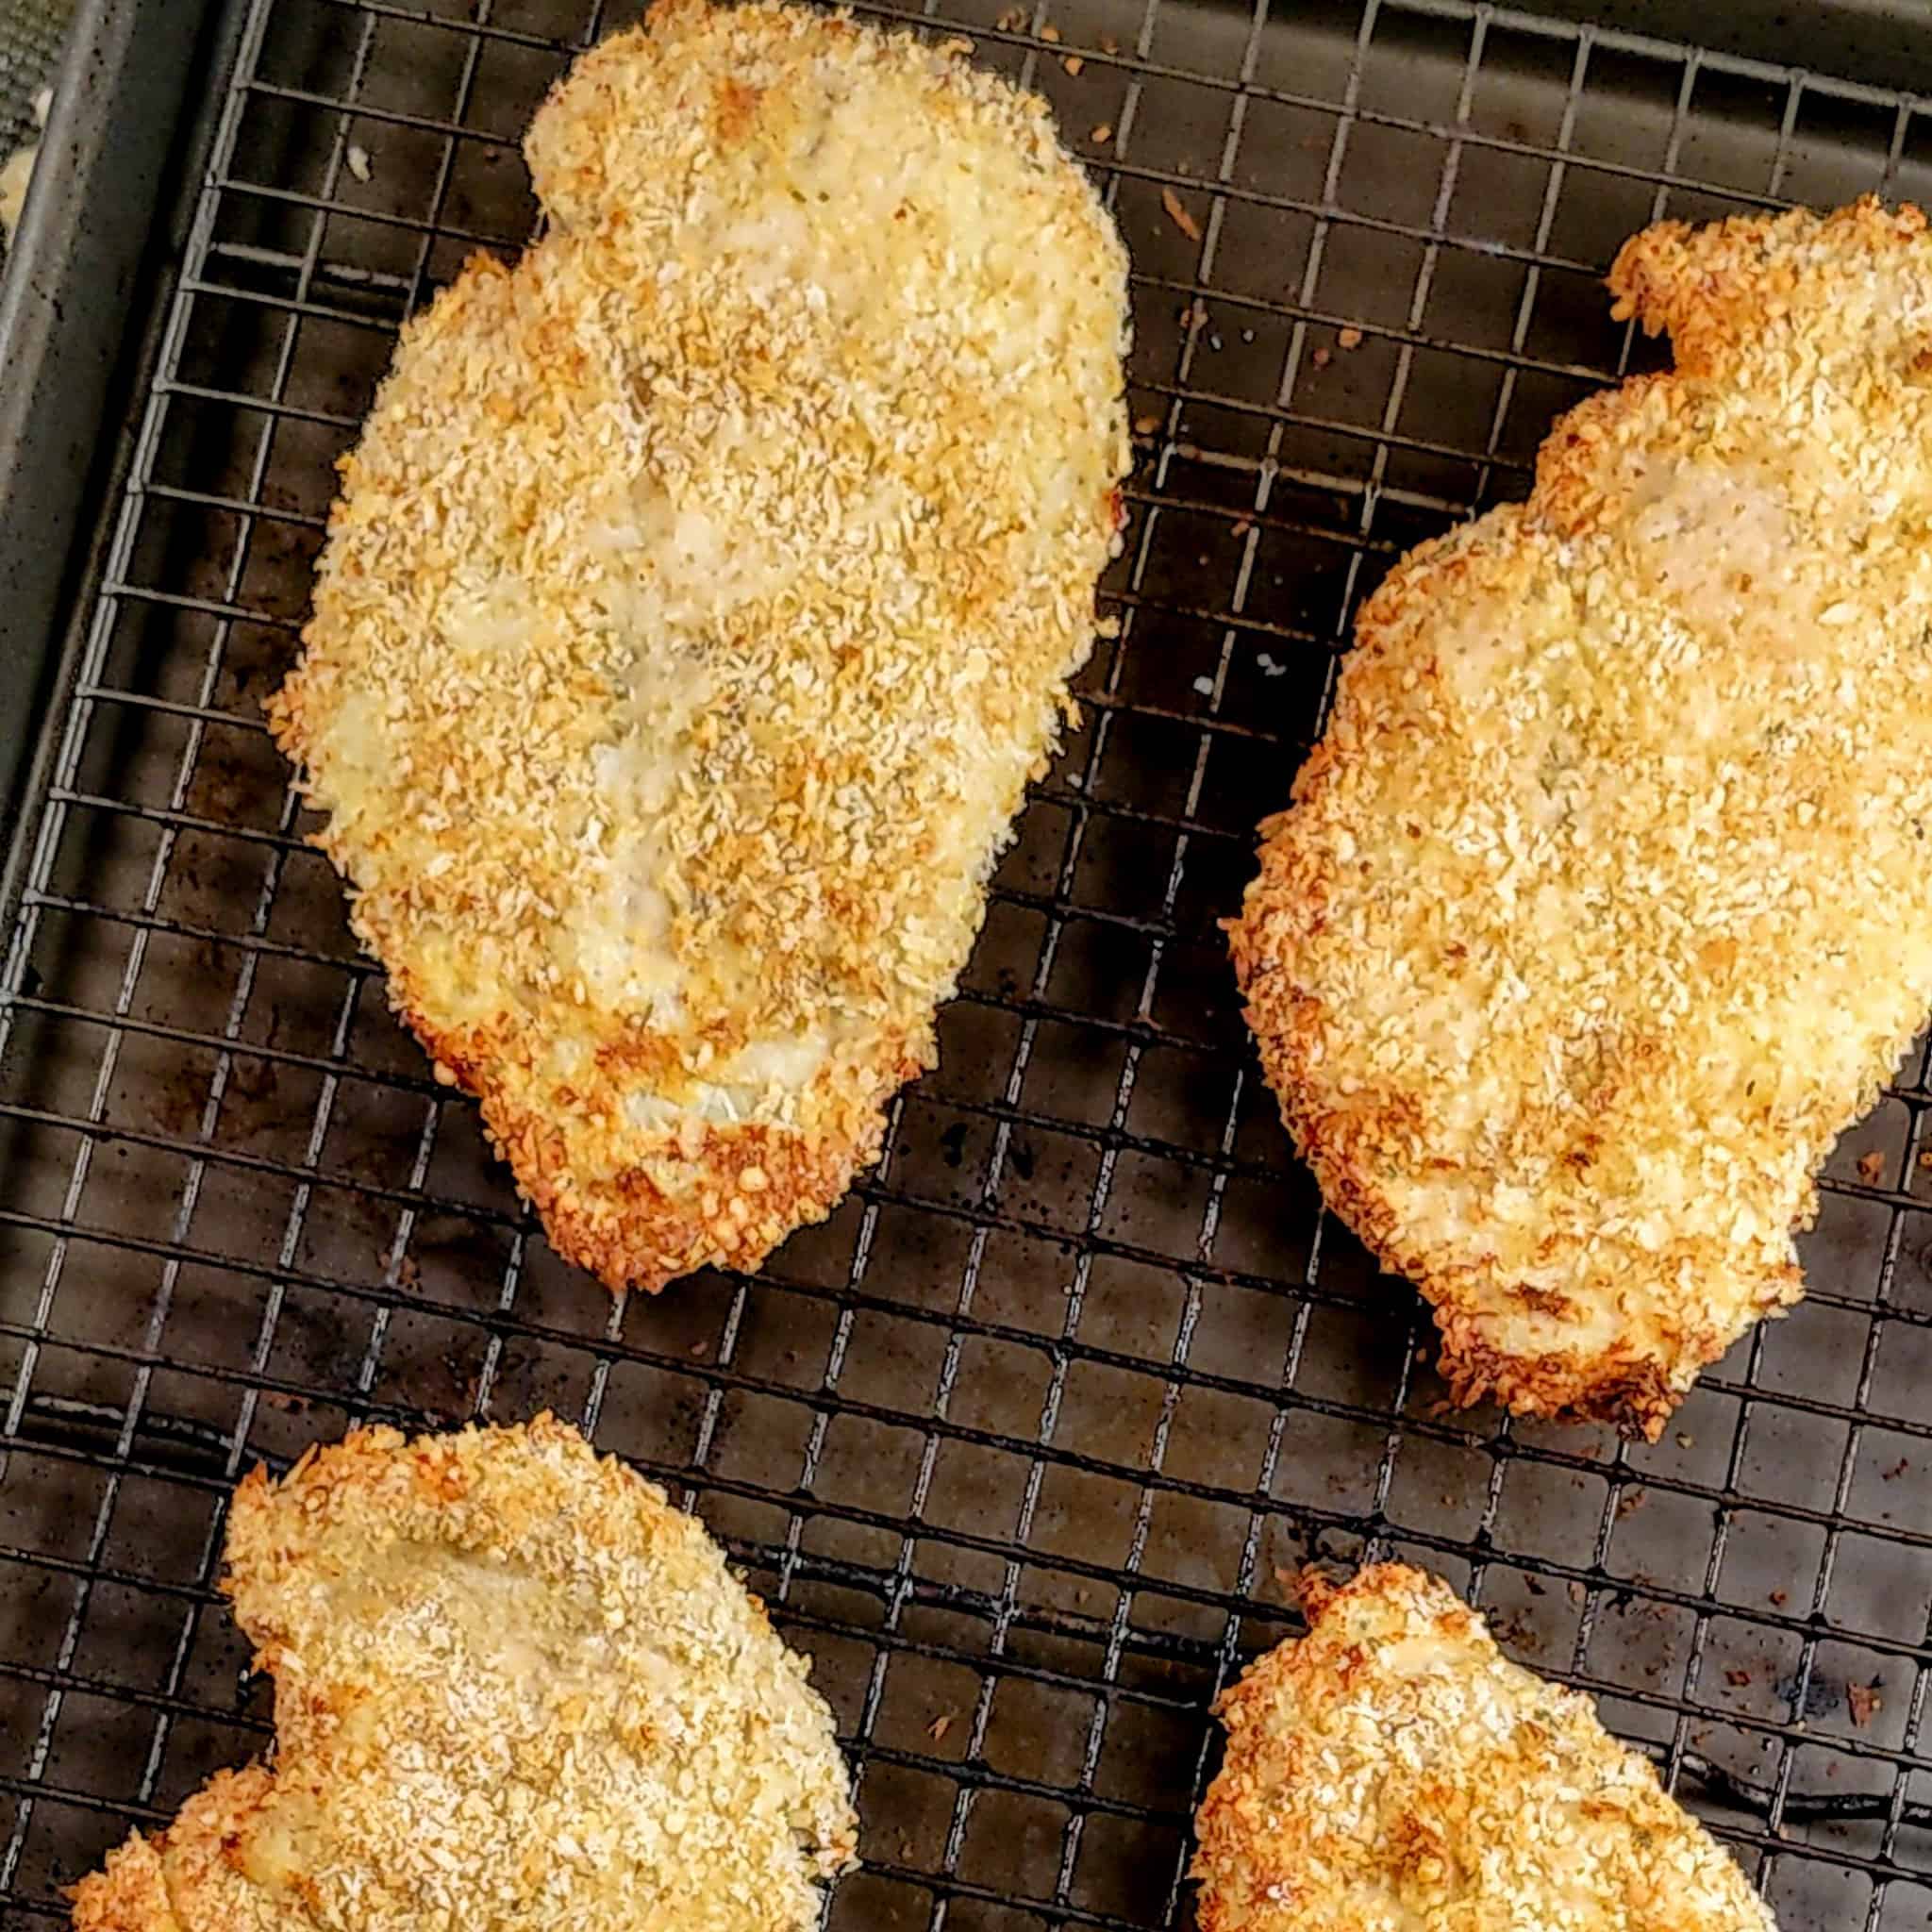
129	1893
1632	1393
1669	277
630	1233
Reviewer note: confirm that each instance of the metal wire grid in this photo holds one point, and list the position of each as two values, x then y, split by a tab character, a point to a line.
1024	1442
31	35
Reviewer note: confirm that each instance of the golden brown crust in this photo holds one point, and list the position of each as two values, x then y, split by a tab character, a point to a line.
1597	915
700	597
512	1686
688	1206
127	1894
1392	1772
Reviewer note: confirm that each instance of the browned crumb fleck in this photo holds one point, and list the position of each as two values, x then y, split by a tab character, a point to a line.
1348	339
1051	35
1630	1501
1872	1168
1109	44
939	1726
1073	63
1101	135
1780	1599
1897	1470
1011	21
1864	1700
1686	1439
1242	526
1736	1679
1178	213
1926	1158
1147	425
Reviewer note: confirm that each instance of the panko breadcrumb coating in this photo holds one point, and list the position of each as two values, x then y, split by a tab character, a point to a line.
701	596
1393	1772
1601	909
514	1689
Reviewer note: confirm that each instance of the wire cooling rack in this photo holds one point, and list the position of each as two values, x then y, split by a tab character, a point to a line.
31	33
1027	1443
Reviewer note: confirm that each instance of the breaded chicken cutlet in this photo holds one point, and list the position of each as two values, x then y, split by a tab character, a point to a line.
514	1687
1600	912
701	596
1393	1772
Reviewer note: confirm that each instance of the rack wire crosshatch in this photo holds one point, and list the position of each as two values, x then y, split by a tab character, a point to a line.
1027	1443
